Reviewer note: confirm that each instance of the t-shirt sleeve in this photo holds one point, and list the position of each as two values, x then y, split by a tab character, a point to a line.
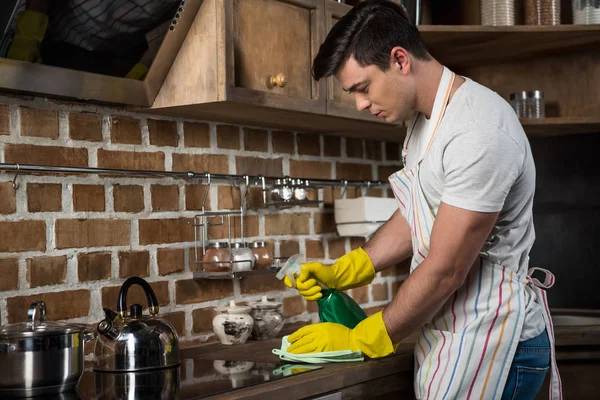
480	166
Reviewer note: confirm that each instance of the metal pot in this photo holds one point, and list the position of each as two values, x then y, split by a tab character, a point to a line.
39	357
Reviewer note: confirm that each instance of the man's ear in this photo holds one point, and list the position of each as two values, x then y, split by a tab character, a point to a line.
400	59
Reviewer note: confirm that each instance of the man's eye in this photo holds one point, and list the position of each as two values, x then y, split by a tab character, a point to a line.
364	90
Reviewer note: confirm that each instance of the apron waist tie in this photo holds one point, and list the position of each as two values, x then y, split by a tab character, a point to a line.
540	290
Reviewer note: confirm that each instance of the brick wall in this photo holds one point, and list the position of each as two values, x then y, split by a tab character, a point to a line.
71	240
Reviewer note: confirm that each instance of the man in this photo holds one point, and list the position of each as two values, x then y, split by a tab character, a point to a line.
465	200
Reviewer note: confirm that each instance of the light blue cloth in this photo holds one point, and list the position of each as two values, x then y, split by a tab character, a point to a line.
317	358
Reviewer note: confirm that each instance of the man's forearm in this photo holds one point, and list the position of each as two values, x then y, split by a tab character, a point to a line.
391	244
420	297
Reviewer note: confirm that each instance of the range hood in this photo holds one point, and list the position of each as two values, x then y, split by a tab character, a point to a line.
38	79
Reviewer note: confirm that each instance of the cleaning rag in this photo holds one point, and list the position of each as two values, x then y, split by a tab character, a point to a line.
317	358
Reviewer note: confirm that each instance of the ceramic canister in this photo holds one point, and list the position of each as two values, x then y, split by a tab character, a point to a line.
233	324
268	319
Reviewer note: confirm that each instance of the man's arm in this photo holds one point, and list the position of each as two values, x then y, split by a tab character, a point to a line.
391	244
456	239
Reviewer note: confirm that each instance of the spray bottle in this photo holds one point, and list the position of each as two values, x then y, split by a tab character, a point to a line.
334	306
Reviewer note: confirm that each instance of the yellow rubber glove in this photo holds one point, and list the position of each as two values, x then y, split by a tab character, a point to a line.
31	28
370	336
138	72
349	271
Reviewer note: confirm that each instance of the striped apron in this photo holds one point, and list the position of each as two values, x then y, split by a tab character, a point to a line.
466	350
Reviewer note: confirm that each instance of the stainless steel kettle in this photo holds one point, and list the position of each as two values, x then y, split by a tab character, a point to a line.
135	342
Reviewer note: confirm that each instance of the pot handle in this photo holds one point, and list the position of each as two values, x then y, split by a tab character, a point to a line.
35	308
122	302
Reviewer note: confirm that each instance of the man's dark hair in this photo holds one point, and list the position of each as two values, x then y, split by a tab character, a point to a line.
368	32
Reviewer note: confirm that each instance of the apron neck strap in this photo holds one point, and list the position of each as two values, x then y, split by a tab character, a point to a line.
437	113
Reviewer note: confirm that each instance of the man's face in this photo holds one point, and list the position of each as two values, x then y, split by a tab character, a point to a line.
388	94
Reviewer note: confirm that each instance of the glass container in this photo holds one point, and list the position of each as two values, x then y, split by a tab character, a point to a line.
498	12
300	191
217	253
262	255
242	257
586	12
528	104
542	12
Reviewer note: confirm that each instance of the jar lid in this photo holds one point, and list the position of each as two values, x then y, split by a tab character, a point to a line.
234	309
535	94
264	304
239	245
218	245
256	245
36	325
522	95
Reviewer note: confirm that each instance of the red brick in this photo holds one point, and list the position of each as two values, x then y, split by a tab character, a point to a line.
4	120
163	133
375	193
85	126
22	236
400	269
379	291
356	242
202	320
9	270
260	284
353	171
157	231
177	319
288	248
392	151
324	223
259	166
88	198
86	232
44	271
293	306
287	224
228	137
256	140
310	169
373	310
131	160
93	266
395	287
308	144
360	294
354	148
8	204
229	197
194	197
136	295
59	305
164	197
196	134
332	146
44	197
283	142
134	263
215	164
337	247
125	130
312	306
39	123
190	291
45	155
128	198
314	249
250	228
373	150
170	261
383	172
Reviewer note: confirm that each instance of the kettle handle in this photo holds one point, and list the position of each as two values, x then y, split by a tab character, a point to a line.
122	302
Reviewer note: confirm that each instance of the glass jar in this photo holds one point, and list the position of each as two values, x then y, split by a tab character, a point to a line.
586	12
498	12
299	189
275	193
263	258
285	191
242	257
542	12
217	253
528	104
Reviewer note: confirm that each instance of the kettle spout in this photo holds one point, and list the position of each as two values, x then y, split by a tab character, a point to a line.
106	327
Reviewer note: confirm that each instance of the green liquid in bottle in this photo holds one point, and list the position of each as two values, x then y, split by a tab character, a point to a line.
338	307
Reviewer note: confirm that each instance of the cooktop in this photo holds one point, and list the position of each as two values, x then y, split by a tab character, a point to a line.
193	379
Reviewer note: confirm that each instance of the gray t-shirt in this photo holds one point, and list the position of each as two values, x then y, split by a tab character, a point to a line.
480	160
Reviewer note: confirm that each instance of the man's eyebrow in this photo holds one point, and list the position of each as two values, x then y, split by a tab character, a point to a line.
357	84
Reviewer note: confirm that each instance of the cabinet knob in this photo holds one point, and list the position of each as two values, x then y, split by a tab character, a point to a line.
278	80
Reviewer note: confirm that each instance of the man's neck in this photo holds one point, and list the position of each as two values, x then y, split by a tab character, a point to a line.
429	75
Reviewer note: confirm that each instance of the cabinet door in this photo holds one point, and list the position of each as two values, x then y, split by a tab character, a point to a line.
272	45
339	102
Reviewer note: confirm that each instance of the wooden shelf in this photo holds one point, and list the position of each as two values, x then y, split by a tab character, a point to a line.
470	45
560	126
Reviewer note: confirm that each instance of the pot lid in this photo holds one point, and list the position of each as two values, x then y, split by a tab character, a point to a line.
234	309
264	304
37	326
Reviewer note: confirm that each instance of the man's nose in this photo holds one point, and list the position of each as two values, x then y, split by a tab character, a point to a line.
362	103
